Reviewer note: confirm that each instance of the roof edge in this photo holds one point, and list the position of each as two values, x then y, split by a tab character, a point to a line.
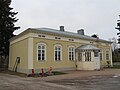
34	30
21	34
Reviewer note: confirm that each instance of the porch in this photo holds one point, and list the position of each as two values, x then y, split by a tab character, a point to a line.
87	57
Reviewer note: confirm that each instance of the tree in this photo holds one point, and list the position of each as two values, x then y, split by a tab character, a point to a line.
118	28
7	27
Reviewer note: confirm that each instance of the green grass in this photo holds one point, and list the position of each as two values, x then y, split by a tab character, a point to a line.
25	75
116	66
58	73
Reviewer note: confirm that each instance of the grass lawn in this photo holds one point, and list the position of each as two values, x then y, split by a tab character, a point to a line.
58	73
25	75
116	67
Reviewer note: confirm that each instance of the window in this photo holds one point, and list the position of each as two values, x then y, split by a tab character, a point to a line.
79	56
41	49
96	54
58	38
87	56
91	42
107	54
71	53
41	36
71	39
58	52
101	54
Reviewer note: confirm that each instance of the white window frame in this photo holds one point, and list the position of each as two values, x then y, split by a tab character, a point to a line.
41	44
72	59
80	56
101	54
107	54
57	45
88	55
96	54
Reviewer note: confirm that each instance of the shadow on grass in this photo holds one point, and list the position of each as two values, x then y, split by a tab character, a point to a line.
116	67
58	73
30	75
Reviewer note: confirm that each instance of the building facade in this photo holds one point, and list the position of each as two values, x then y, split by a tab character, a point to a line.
37	48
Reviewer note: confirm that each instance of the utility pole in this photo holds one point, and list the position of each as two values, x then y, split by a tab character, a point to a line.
118	28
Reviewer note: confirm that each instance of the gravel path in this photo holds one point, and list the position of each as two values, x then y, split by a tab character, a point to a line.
107	79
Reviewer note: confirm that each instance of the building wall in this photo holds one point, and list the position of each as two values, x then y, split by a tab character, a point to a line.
19	49
50	62
104	61
25	47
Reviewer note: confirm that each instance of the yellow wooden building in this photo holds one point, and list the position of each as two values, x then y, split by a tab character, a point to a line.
37	48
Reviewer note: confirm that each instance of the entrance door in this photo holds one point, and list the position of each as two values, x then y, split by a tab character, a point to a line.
96	60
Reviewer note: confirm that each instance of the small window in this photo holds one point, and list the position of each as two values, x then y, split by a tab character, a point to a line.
101	54
87	56
107	54
71	53
41	49
79	56
58	52
71	39
41	36
58	38
91	42
95	54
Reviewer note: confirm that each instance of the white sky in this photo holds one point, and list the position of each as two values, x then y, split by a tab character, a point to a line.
95	16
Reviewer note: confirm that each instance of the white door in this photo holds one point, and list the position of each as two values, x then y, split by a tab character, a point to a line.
96	60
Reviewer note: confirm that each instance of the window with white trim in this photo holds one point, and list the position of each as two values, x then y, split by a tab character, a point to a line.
100	54
58	38
41	52
79	56
107	54
71	39
58	52
71	52
96	54
87	56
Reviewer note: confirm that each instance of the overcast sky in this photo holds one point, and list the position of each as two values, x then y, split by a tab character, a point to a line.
94	16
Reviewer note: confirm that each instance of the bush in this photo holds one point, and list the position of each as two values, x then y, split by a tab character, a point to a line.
116	59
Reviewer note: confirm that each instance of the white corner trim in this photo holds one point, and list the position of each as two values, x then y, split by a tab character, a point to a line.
30	53
22	38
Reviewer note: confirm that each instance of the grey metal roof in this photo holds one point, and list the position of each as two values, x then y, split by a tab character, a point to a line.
66	33
87	47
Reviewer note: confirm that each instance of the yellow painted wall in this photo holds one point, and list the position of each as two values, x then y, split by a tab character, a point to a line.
19	49
86	65
104	61
104	47
50	62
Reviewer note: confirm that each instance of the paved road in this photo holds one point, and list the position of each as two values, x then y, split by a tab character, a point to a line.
108	79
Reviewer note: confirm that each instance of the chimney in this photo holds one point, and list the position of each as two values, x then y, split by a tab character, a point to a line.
62	28
81	31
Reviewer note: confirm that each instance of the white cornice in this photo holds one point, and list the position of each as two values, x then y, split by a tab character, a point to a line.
52	37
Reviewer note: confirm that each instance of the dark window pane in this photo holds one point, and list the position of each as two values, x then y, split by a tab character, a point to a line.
39	58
